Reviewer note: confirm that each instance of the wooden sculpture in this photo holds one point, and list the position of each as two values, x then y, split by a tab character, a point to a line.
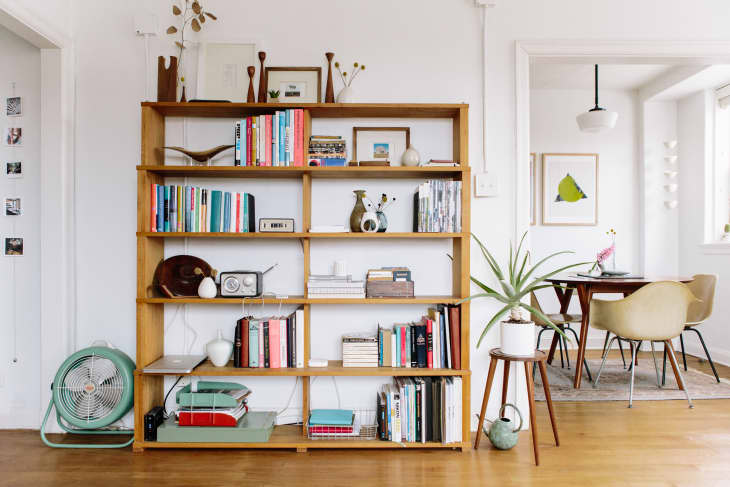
166	79
262	78
329	94
201	156
251	96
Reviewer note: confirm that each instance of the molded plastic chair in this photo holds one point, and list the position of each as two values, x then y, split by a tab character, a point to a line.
655	313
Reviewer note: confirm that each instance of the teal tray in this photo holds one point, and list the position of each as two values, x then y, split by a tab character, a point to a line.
254	427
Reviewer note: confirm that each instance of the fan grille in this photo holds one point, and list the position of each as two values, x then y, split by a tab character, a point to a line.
91	388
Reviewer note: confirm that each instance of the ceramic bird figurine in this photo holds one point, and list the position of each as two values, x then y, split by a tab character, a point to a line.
568	190
201	156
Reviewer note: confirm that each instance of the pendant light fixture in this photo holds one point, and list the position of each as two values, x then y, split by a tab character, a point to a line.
596	119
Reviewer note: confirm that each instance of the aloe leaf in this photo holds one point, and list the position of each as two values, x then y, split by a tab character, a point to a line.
490	259
508	289
482	285
491	323
529	273
557	271
524	262
496	296
546	319
519	249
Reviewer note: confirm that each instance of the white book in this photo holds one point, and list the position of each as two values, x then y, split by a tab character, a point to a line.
237	140
299	320
449	359
423	410
244	147
275	139
459	417
282	342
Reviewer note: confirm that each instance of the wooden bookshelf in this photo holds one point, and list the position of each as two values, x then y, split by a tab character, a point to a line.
149	388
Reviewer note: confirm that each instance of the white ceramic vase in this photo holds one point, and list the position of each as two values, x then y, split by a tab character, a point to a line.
518	338
411	157
219	350
207	289
345	95
371	218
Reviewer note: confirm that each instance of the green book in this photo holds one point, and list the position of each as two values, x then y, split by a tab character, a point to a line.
253	343
215	215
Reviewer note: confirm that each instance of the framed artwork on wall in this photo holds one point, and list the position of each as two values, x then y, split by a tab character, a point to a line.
385	144
14	170
222	71
533	189
570	189
13	246
295	85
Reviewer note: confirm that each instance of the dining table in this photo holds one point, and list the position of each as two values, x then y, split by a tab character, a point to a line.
586	287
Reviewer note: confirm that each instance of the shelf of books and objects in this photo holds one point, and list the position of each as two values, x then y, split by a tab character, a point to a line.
149	387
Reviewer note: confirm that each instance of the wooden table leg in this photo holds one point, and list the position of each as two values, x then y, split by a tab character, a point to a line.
533	421
549	400
675	366
584	296
487	388
505	381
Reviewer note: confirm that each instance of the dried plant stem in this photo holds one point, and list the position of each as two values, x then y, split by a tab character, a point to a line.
357	70
344	82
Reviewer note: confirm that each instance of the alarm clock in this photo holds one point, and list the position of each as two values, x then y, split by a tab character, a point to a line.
241	284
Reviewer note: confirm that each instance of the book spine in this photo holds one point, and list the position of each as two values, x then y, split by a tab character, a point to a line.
408	345
254	141
253	344
429	344
274	344
245	347
173	209
248	140
402	346
261	344
275	139
153	207
299	325
238	212
237	346
268	140
237	143
299	136
166	224
244	142
267	350
282	138
160	208
283	362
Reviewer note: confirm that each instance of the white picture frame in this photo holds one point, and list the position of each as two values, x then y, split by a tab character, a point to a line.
570	189
222	69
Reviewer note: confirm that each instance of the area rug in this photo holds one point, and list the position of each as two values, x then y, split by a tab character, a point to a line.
614	383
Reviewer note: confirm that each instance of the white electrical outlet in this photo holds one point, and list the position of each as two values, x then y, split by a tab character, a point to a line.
486	185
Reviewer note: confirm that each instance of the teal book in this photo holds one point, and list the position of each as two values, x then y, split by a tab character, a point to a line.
227	212
215	215
339	417
245	212
253	343
396	330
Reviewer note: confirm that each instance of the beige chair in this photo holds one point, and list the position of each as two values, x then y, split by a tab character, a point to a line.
654	313
703	287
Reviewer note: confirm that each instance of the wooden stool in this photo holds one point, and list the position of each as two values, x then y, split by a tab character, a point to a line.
539	357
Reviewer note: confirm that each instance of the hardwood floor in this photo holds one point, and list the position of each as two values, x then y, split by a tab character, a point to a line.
602	443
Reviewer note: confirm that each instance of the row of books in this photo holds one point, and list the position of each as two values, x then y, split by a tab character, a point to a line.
270	140
359	350
420	409
271	343
330	286
437	206
327	150
192	209
432	343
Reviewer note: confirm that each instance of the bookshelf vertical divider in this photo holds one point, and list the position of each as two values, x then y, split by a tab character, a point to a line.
149	388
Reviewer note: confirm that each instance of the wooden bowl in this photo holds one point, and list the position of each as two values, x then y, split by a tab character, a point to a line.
176	278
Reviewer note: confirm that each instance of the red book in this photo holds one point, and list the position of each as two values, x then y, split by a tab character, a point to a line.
298	137
153	208
455	328
429	343
403	356
330	429
248	141
244	342
206	418
268	140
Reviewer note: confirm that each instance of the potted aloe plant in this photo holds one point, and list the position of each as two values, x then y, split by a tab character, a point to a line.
518	332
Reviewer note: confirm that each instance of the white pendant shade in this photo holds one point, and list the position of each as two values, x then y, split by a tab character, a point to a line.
596	120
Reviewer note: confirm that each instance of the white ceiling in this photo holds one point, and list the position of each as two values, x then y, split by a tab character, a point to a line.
580	76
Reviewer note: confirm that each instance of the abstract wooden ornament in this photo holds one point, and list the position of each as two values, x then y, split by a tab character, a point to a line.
201	156
262	78
329	94
251	95
166	79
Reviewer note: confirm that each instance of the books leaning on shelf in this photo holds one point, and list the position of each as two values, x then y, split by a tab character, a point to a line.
271	343
359	351
327	150
326	286
432	343
420	409
270	140
191	209
437	206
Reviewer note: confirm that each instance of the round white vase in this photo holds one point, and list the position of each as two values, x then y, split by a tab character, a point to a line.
219	350
410	157
207	289
518	338
345	95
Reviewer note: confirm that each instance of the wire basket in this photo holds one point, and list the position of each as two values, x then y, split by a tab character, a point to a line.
364	427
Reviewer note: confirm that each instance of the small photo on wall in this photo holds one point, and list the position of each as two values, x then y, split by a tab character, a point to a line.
13	106
13	136
13	246
14	170
12	207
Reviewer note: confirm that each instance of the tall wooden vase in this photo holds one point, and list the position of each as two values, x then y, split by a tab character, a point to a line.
251	98
329	94
262	78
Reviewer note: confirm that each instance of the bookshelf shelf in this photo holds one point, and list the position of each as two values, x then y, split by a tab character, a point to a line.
150	389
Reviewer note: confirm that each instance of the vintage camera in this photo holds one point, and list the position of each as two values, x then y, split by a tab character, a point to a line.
242	284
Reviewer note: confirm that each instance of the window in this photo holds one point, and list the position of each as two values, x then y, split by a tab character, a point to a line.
718	179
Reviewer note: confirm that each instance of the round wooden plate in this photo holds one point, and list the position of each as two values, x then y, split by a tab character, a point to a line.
175	277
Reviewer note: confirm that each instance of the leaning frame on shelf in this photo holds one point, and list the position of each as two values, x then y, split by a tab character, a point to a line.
149	388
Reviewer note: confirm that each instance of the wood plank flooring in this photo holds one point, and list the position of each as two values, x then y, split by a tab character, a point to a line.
602	443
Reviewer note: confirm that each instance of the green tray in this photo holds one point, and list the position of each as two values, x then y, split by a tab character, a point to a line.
254	427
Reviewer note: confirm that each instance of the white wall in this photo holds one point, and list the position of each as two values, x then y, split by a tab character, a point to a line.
19	295
553	129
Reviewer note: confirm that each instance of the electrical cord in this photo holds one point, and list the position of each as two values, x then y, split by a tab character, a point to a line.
164	403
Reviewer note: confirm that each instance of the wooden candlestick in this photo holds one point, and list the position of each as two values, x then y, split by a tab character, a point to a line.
251	95
166	79
329	94
262	78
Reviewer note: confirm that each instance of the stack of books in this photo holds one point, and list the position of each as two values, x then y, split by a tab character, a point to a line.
327	286
437	206
327	150
432	343
192	209
420	409
270	140
271	343
212	404
359	351
333	423
389	282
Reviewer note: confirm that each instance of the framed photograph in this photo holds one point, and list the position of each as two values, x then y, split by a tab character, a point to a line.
13	246
533	188
295	85
14	170
12	206
380	144
570	189
13	107
222	69
13	136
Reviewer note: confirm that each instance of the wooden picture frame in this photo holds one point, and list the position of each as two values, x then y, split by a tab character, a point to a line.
356	131
297	75
533	188
580	191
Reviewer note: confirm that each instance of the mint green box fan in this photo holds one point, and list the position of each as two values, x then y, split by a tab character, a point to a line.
93	388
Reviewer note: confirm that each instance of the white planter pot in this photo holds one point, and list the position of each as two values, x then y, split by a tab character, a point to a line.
219	350
518	338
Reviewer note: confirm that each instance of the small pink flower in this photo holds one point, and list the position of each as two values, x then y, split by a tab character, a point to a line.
604	254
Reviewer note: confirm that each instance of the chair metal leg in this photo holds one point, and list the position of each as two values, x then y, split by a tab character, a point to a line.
585	363
605	341
684	357
567	356
664	367
621	348
634	351
605	354
560	346
656	366
707	353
